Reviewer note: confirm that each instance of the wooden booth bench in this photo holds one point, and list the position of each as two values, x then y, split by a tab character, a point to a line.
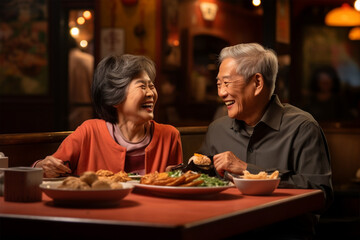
24	149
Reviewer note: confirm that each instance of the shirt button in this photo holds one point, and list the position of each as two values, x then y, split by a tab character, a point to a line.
250	149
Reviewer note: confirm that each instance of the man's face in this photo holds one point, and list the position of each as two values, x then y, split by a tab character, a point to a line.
237	94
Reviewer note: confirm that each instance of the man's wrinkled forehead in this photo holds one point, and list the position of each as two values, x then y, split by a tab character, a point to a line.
228	68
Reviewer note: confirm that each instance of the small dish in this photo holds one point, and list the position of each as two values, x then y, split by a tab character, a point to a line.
256	186
83	198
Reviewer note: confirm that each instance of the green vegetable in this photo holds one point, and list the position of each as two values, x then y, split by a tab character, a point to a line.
208	181
133	174
212	181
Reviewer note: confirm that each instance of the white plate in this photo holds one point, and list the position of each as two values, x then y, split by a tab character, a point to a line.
171	191
85	198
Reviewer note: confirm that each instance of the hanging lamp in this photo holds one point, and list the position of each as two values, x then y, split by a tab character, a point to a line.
344	16
354	33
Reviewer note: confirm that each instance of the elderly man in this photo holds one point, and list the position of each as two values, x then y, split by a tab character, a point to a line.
260	133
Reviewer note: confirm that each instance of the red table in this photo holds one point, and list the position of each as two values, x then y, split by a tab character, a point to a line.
152	217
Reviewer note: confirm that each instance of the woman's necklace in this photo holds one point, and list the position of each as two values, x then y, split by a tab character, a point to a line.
122	135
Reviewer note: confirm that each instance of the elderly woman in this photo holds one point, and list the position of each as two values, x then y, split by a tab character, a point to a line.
125	137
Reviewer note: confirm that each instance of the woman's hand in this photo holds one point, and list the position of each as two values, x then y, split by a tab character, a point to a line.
227	161
53	167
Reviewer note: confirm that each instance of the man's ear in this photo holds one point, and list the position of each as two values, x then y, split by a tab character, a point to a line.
259	83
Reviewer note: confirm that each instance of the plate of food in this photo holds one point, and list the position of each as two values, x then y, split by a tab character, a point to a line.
88	190
179	184
181	191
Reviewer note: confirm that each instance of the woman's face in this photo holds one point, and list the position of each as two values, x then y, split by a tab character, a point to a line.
140	100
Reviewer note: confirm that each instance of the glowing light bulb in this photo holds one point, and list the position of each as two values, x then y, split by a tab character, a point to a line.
83	43
74	31
80	20
256	3
87	14
357	5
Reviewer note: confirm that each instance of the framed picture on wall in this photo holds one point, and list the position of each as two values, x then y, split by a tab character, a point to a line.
23	48
331	46
112	41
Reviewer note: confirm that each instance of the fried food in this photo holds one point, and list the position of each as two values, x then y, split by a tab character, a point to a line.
100	184
163	182
155	178
193	183
177	181
261	175
189	177
104	173
74	183
101	179
116	185
163	179
200	159
89	177
120	177
274	175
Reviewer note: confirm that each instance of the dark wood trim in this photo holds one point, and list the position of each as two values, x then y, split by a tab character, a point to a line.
192	130
50	137
25	138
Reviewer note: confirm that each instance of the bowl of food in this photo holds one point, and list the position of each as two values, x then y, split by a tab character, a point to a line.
257	184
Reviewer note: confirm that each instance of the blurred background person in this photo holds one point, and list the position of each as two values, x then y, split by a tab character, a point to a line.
81	70
326	102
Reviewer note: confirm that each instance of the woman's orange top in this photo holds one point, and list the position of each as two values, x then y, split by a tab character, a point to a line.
90	148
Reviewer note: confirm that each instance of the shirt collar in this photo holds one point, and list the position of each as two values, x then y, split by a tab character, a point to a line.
272	116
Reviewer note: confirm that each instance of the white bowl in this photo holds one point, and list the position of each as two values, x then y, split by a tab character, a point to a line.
256	186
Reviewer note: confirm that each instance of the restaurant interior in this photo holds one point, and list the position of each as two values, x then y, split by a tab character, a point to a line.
184	38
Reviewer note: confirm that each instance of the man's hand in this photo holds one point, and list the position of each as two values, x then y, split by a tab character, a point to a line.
53	167
169	168
227	161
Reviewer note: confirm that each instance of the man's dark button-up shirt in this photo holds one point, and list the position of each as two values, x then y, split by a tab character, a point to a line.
286	138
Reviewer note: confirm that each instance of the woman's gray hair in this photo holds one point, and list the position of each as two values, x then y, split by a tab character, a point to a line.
253	58
112	77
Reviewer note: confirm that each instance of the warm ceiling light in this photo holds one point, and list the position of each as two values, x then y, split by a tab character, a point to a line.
357	5
74	31
344	16
256	3
208	10
354	33
80	20
83	43
87	14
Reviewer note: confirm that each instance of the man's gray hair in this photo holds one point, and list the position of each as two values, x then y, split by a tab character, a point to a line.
253	58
